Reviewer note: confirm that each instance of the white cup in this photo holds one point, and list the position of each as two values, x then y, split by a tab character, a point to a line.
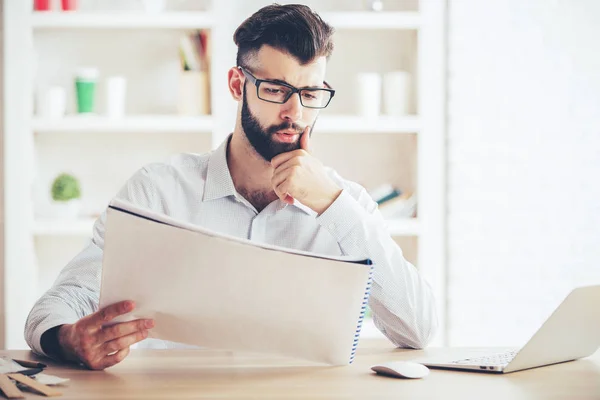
368	95
116	89
396	93
52	102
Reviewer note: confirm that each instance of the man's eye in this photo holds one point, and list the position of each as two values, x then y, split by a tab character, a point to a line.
273	91
309	95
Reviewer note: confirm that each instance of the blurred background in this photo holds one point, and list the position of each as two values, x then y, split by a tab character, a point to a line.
474	124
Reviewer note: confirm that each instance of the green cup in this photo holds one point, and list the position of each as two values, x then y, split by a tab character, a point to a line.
85	89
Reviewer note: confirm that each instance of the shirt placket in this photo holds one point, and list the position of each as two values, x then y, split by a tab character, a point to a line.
258	231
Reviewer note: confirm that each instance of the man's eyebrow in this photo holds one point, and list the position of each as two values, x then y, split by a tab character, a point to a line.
301	87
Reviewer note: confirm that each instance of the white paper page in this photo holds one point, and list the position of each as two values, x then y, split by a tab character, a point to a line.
213	291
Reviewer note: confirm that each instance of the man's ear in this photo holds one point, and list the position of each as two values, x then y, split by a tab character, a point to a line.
235	79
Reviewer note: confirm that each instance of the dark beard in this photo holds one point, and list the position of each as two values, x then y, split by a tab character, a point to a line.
262	140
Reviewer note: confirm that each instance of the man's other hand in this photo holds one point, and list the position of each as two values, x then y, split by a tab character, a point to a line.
98	347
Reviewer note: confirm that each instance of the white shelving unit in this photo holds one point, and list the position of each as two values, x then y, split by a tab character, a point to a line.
24	131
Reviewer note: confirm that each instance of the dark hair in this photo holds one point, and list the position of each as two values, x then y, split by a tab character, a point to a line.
292	28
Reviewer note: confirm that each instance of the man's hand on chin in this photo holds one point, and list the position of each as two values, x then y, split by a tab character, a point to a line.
299	175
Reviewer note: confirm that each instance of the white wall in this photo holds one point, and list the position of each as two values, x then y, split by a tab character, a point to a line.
523	155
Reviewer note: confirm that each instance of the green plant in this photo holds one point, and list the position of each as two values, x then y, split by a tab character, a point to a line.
65	187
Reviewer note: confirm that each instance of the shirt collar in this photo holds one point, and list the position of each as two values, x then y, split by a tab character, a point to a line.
218	178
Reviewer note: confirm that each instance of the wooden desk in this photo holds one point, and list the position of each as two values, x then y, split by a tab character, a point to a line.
209	374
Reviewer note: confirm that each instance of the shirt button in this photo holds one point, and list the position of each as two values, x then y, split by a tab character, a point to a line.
332	226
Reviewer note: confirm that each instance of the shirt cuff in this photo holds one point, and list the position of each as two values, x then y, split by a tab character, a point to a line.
342	216
36	342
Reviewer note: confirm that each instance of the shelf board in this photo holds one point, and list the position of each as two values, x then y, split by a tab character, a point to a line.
381	124
127	20
373	19
133	124
55	227
404	227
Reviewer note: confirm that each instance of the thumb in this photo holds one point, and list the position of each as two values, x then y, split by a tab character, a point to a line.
305	139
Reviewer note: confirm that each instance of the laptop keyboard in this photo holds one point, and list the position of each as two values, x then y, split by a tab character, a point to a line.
491	360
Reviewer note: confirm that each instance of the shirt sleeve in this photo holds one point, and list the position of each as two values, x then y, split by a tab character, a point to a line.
75	293
401	301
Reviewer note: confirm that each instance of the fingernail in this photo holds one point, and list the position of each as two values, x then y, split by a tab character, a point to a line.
149	323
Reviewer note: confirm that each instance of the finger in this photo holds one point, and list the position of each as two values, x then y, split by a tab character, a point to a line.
292	162
123	342
283	157
282	195
283	191
124	328
288	199
280	177
111	312
305	139
113	359
276	185
284	174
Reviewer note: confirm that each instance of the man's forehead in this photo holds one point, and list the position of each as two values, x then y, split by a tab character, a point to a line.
277	64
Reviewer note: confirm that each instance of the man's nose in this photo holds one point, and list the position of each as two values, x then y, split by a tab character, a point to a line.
292	109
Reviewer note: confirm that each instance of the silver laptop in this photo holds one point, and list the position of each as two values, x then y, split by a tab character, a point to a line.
571	332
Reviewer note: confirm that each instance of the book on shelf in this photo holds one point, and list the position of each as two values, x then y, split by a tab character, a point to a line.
194	82
403	206
384	192
393	202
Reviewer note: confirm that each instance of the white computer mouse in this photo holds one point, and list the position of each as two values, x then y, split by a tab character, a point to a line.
402	369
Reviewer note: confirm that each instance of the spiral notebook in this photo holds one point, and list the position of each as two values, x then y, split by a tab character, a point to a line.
217	291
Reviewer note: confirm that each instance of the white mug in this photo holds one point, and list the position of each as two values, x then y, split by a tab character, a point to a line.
116	88
52	102
396	93
368	94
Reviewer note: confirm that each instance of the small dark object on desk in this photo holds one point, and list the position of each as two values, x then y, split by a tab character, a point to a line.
31	371
30	364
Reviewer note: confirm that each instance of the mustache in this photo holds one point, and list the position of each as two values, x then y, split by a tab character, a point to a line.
287	126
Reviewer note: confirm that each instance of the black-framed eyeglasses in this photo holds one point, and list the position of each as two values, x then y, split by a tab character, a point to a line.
280	92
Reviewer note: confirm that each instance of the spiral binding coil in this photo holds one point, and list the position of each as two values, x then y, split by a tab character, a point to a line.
361	316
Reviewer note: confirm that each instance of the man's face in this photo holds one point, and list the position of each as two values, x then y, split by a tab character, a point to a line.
272	128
